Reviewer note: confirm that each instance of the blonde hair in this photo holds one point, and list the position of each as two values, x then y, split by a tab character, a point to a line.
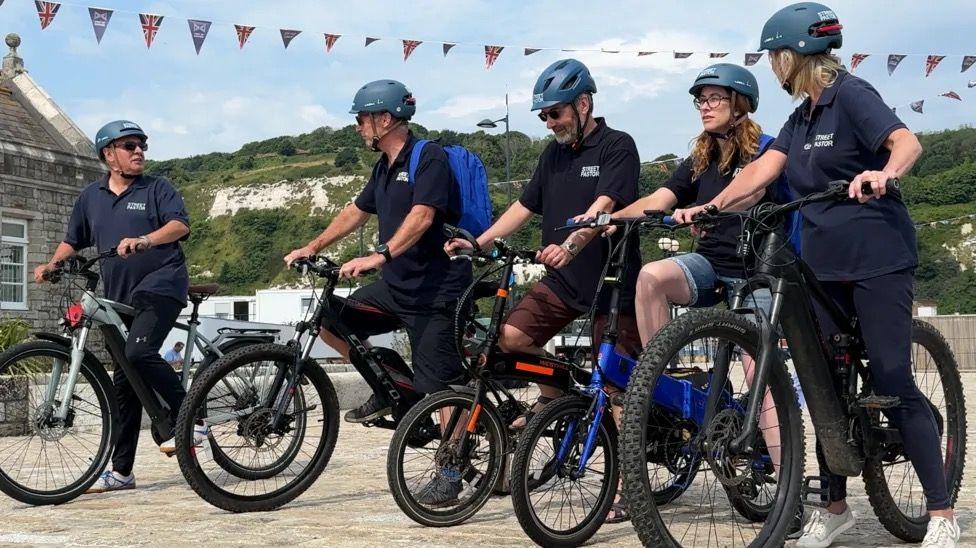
809	72
739	148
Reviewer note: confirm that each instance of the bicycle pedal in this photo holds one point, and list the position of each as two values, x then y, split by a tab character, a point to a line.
820	494
875	401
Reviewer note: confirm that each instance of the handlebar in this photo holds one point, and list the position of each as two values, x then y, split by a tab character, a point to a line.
651	218
501	250
77	265
319	265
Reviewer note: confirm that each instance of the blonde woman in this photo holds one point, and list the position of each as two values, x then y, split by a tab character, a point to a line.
863	251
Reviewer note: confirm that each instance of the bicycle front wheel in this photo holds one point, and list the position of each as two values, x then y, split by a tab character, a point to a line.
717	506
45	459
248	463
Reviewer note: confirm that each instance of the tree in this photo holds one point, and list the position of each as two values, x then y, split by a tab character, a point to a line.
346	157
286	148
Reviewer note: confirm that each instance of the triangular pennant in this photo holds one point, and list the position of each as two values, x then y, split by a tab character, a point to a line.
287	35
243	33
610	51
46	12
530	51
893	60
967	61
645	53
198	31
753	58
99	18
856	60
951	95
894	110
150	26
971	84
370	40
718	55
409	46
330	40
491	55
931	62
682	55
917	106
446	46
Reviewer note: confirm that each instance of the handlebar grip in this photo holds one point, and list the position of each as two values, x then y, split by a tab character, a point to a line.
669	220
892	185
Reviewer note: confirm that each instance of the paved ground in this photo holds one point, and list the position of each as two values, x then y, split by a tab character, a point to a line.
349	506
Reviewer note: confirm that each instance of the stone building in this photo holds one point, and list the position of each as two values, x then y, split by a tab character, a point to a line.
45	161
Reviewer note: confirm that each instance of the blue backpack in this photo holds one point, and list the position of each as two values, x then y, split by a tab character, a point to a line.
472	180
782	193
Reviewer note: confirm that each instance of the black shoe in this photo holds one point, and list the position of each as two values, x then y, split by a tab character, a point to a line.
369	411
441	491
796	526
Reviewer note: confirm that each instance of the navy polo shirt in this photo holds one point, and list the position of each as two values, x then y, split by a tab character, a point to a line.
719	244
102	219
422	273
565	184
842	137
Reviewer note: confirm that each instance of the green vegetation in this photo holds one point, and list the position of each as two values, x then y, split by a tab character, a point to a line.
243	251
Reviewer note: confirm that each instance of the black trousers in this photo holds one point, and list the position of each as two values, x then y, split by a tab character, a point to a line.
884	307
154	319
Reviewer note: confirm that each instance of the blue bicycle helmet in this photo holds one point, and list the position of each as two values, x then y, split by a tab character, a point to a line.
385	96
562	82
116	130
730	76
806	28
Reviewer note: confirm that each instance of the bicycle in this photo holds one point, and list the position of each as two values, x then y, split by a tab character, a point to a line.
847	415
277	410
68	415
572	443
463	435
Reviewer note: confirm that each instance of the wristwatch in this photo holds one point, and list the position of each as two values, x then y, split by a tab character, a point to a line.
571	247
384	250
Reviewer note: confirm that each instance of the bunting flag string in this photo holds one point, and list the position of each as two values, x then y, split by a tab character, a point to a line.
46	12
199	31
99	18
330	41
150	26
408	47
243	33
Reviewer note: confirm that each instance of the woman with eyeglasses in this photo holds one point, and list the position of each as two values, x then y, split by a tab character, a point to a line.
864	254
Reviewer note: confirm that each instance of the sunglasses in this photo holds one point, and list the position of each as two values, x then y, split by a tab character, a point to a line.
554	113
130	146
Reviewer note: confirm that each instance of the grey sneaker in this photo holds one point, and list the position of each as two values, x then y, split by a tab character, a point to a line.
942	533
371	410
443	490
823	528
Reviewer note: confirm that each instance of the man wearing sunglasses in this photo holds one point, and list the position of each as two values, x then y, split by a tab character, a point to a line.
144	218
587	168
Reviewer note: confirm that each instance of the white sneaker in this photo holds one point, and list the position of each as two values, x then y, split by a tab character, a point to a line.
200	433
823	528
110	481
942	533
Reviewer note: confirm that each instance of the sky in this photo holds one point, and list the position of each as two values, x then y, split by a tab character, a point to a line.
226	96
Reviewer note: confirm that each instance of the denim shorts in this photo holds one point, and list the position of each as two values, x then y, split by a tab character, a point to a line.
703	281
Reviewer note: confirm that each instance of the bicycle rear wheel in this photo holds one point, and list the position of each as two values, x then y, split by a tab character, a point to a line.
893	488
44	460
246	464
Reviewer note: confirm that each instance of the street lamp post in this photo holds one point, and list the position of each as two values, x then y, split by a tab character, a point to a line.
489	123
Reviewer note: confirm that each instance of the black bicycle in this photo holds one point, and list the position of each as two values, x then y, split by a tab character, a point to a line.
835	378
450	451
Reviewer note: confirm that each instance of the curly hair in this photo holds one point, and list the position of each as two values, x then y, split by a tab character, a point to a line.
739	148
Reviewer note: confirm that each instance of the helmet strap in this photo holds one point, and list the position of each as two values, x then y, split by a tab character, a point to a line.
580	126
375	144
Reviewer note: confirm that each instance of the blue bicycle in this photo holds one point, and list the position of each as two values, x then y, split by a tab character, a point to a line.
565	471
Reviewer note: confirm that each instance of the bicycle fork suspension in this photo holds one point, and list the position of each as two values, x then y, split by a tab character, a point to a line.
77	356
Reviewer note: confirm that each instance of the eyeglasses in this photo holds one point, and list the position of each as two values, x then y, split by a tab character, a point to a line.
130	146
713	101
554	113
361	118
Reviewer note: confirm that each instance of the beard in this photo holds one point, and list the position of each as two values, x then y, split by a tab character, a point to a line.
566	135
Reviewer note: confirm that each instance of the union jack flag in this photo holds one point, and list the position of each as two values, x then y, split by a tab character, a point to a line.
682	54
46	12
330	40
491	55
409	46
243	33
931	62
150	26
718	55
856	60
951	95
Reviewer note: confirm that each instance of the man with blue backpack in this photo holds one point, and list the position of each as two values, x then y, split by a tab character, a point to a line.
416	186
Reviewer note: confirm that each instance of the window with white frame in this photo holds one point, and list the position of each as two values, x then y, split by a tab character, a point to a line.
306	305
13	264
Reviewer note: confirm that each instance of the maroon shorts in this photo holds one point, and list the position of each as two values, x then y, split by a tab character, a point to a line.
541	314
